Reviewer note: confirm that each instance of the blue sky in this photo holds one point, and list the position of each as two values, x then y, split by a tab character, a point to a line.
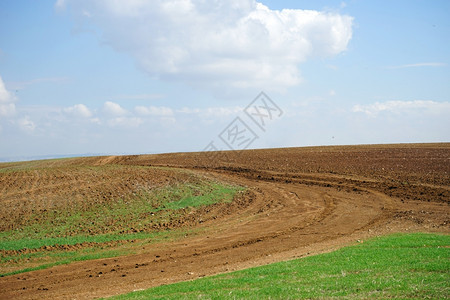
137	76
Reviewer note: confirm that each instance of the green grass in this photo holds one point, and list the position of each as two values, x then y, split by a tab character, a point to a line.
52	258
71	240
69	257
395	266
132	218
119	219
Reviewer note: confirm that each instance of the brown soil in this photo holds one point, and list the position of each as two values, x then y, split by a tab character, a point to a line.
300	201
26	193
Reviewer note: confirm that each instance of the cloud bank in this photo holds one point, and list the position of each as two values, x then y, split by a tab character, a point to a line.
398	107
7	105
215	44
113	127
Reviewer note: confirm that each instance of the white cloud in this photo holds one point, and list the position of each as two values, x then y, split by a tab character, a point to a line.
7	106
212	112
7	109
404	106
78	110
26	124
125	122
114	109
216	44
154	111
430	64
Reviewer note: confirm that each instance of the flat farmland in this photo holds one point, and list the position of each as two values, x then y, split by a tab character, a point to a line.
102	226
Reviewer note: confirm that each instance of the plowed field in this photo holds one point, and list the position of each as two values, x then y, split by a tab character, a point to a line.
291	203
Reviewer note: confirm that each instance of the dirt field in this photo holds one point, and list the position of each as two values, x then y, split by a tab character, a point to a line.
299	202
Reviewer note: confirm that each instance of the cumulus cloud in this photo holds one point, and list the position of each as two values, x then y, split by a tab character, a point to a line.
404	106
228	43
114	109
7	106
78	110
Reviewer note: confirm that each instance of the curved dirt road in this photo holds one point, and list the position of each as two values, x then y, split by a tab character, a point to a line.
287	214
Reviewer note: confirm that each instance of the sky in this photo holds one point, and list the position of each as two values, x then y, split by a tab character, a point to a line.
82	77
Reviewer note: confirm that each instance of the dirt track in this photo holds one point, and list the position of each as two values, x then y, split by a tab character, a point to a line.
304	201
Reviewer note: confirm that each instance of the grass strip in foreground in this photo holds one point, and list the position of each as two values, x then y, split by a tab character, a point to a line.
395	266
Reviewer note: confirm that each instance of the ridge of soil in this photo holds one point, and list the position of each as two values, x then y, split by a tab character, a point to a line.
299	202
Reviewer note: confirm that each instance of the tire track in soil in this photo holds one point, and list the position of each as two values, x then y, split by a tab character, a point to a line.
246	238
292	214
